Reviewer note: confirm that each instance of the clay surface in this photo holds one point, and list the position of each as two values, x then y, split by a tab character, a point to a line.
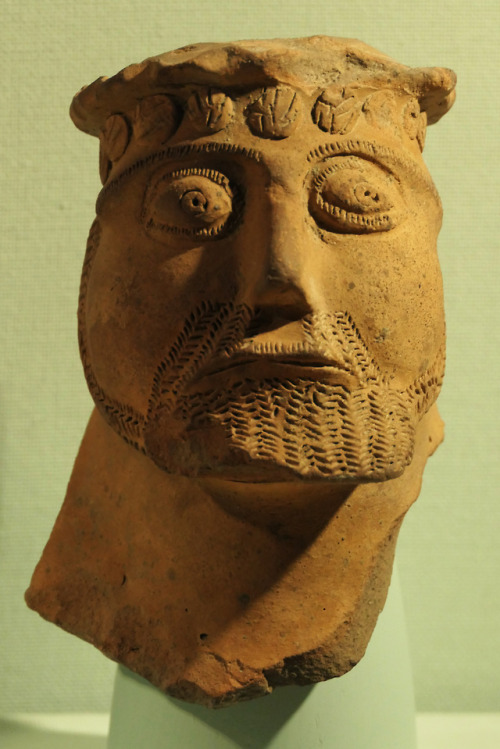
261	328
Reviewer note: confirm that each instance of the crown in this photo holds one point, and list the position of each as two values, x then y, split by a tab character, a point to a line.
271	87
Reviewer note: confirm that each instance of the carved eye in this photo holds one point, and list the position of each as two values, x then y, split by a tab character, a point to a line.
194	202
355	196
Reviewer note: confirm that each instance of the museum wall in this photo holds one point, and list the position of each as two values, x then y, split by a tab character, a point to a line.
448	554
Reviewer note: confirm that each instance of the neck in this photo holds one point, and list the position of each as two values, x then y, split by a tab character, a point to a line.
217	591
296	510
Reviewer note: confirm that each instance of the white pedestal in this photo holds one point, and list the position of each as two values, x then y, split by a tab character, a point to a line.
371	707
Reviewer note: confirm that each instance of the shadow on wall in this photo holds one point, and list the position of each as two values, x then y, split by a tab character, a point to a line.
263	717
15	734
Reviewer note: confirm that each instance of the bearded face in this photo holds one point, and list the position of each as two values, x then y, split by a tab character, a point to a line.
267	311
315	408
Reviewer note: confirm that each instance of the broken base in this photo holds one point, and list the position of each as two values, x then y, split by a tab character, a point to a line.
371	706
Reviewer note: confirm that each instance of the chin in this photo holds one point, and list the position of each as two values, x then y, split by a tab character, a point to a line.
216	452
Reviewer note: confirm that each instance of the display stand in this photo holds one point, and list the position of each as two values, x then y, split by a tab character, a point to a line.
372	707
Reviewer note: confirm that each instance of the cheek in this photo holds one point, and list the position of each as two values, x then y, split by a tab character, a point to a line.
392	289
139	297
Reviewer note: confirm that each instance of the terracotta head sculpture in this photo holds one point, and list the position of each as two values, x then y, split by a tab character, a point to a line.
261	327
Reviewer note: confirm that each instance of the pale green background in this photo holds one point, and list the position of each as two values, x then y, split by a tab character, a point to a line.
449	555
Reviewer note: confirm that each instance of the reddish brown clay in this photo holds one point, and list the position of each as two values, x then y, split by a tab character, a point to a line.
261	328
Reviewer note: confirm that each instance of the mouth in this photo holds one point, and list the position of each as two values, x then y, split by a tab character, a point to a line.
288	365
295	362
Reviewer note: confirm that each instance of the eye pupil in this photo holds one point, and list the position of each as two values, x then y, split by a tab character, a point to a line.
365	194
194	201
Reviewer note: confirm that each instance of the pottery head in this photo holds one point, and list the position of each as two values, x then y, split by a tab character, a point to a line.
261	297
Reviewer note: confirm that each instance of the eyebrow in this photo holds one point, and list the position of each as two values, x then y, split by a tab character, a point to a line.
366	149
374	152
174	152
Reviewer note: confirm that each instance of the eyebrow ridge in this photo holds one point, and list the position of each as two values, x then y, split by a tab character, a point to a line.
171	153
369	150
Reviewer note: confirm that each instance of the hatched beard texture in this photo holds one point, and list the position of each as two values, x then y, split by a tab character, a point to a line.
311	428
314	429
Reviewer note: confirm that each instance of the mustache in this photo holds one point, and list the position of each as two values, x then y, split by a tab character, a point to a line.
216	337
324	345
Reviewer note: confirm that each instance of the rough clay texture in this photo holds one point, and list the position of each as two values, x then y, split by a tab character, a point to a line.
261	328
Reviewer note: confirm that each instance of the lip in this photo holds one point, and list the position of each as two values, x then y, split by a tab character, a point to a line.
296	361
308	366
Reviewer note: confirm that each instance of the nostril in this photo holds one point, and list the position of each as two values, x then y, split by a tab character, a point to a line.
259	322
266	318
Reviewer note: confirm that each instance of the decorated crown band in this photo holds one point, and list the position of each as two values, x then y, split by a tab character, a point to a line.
271	87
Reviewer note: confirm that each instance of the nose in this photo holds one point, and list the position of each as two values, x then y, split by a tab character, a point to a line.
286	288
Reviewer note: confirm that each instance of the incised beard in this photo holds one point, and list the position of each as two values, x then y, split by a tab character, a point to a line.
271	428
